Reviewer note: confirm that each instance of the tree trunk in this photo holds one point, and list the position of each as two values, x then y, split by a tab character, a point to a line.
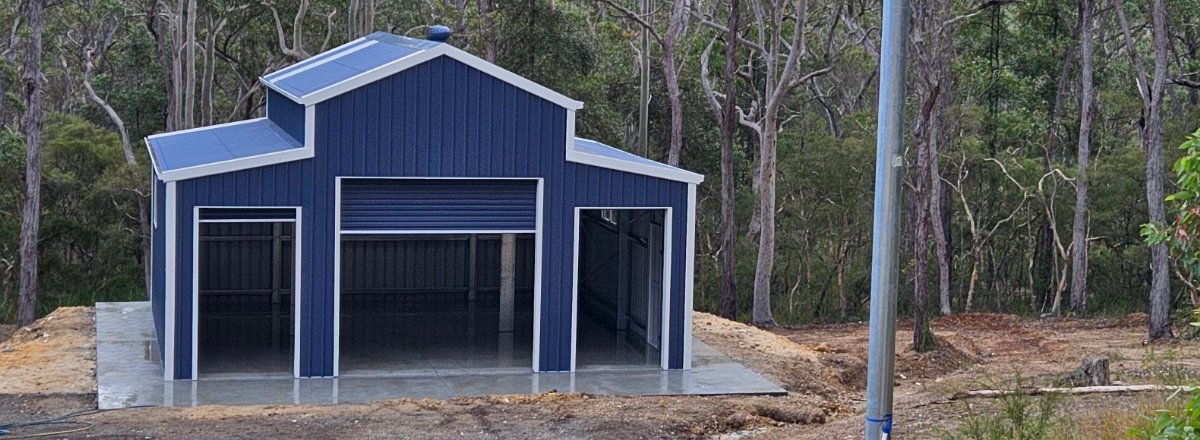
1160	294
189	87
30	217
766	238
489	39
922	335
1079	245
936	208
728	124
675	29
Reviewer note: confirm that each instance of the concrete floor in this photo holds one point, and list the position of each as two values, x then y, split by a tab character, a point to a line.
128	373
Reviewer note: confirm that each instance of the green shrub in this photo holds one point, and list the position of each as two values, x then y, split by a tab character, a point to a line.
1173	426
1019	417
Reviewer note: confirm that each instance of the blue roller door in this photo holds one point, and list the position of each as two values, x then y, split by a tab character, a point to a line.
437	205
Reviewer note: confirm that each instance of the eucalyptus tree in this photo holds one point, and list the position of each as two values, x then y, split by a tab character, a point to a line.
1150	90
31	215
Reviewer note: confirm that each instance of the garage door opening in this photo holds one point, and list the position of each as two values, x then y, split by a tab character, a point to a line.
245	274
417	304
620	287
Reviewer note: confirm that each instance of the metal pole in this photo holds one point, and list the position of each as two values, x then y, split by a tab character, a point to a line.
889	165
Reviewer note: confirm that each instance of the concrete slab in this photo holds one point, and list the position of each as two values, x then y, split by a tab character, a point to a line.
129	373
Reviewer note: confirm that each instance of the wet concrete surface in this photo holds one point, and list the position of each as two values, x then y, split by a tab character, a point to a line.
129	373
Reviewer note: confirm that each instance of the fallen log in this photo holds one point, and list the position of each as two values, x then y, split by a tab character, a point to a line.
1071	390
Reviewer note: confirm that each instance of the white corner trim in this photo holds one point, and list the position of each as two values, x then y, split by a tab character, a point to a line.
337	275
310	129
668	239
297	288
172	221
689	277
575	288
195	354
537	278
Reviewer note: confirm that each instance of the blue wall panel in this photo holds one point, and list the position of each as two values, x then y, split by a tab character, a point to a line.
438	119
285	113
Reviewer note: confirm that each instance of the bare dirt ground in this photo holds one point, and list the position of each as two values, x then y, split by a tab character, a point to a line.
56	354
823	367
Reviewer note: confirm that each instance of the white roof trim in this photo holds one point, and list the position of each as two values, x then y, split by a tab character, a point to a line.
310	62
422	56
634	167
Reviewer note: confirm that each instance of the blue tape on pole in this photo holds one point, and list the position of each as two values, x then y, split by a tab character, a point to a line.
886	421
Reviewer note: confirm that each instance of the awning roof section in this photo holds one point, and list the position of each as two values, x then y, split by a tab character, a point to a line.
591	152
344	63
222	148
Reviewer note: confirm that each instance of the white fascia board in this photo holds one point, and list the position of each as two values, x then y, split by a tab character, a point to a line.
372	75
511	78
281	91
416	58
634	167
206	127
237	164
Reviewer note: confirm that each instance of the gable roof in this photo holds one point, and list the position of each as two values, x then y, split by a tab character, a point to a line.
222	148
259	142
377	56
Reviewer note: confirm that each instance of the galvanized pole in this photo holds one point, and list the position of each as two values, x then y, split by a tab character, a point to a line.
889	165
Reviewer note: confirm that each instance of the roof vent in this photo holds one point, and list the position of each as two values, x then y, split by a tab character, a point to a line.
438	33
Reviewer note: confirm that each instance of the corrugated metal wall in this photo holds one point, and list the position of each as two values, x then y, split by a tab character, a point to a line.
438	119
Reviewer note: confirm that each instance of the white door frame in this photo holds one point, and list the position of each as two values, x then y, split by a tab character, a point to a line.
337	255
668	244
296	284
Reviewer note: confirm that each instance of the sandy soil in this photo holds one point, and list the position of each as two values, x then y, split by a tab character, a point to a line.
56	354
822	366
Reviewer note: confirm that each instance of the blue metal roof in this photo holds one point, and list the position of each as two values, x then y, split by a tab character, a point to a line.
345	62
219	143
588	146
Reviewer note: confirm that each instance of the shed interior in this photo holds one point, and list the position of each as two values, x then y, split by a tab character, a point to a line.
416	303
620	285
245	274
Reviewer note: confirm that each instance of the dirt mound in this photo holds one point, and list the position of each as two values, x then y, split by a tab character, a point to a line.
55	354
940	361
818	369
989	321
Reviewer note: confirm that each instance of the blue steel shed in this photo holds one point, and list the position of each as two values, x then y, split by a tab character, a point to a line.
392	135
